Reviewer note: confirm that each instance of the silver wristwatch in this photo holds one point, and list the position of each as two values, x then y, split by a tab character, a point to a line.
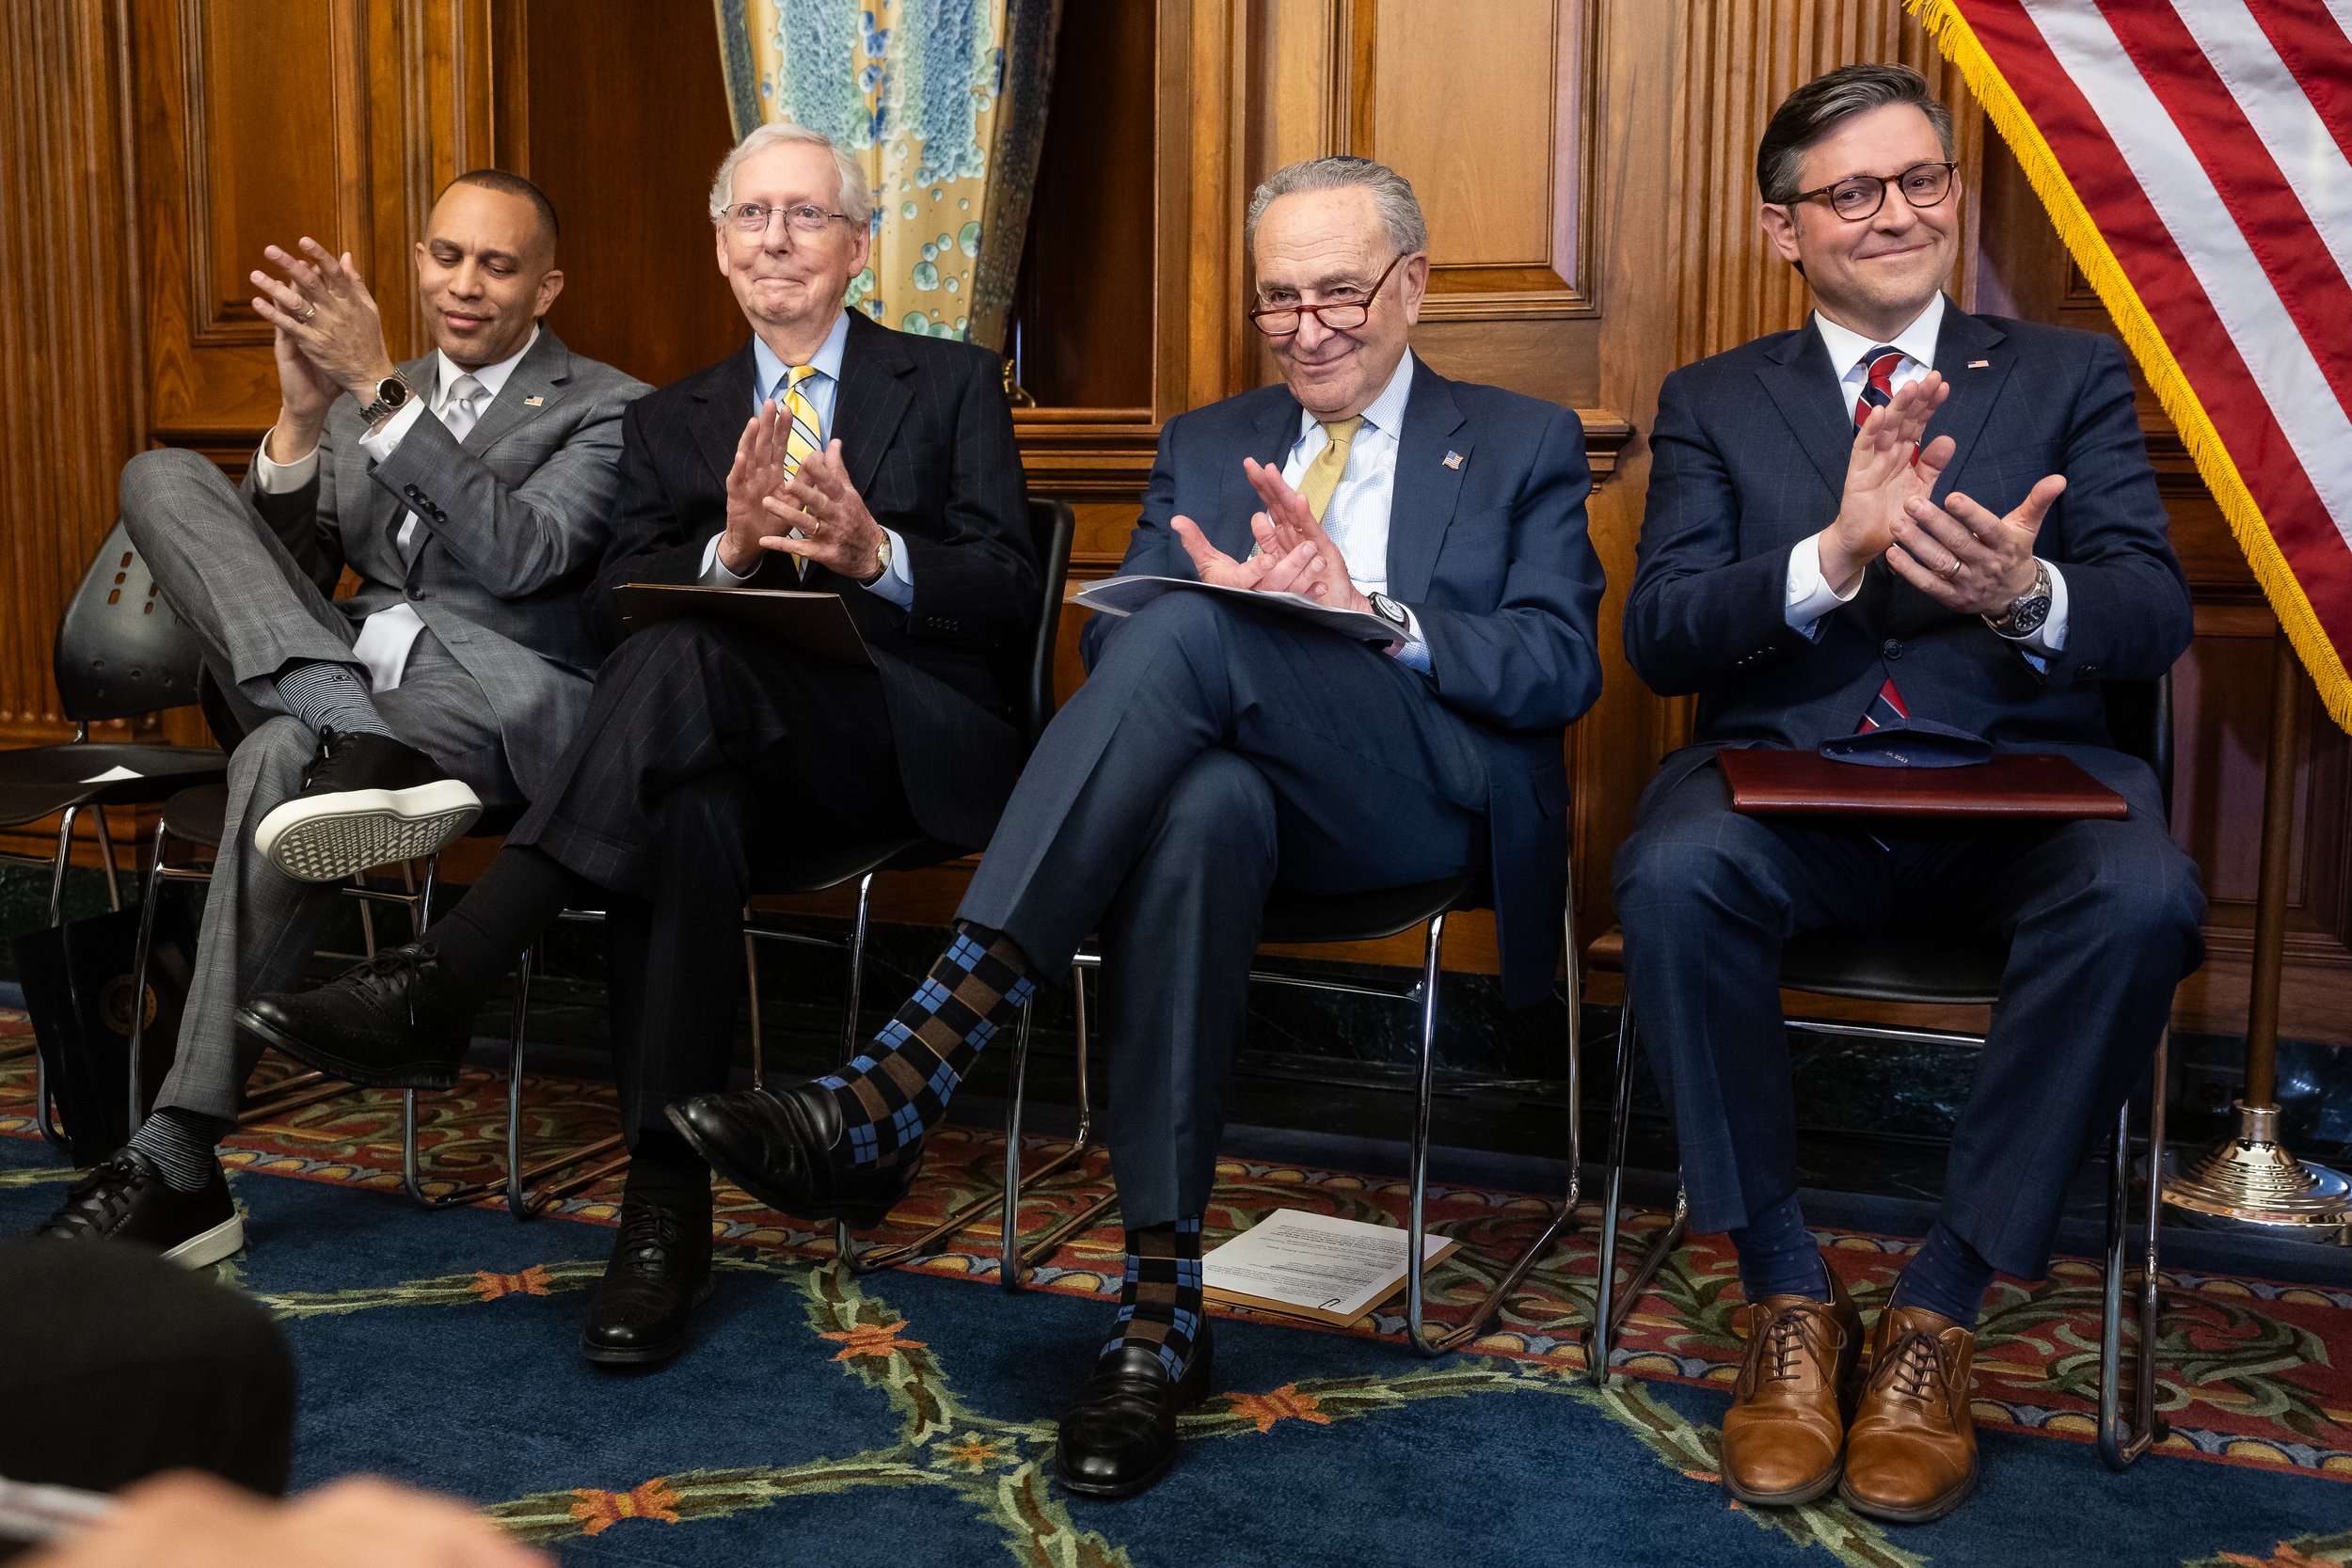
392	395
2026	611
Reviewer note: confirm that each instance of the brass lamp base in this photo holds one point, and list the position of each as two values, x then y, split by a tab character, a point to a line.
2253	1178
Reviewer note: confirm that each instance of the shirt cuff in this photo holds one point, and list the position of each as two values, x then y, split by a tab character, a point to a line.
895	584
276	478
1810	597
1414	652
381	444
715	573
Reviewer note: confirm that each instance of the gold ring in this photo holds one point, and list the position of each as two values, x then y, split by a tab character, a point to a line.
1953	570
311	312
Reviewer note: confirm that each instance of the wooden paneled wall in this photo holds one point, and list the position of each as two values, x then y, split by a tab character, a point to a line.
1585	165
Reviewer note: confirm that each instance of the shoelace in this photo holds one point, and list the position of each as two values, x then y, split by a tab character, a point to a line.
1915	1366
1783	1342
647	1235
103	1197
378	975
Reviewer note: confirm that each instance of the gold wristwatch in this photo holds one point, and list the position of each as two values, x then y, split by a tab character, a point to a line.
881	561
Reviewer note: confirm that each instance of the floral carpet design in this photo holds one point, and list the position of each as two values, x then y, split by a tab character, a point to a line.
819	1401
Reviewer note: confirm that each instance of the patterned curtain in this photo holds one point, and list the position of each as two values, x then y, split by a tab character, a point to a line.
943	101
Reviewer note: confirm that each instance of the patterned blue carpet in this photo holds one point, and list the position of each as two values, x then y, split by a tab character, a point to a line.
903	1421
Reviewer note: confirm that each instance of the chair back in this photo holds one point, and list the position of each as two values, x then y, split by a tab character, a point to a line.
120	649
2140	722
1052	526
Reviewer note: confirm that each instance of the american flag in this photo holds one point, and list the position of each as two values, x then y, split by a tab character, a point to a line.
2197	158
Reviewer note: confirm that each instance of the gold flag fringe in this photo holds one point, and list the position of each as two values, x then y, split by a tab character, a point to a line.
1950	28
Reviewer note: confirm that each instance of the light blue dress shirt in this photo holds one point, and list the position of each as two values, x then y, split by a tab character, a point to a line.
1357	516
772	378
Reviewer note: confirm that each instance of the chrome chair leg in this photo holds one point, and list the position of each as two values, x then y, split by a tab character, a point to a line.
141	953
600	1158
857	967
58	863
44	1112
2123	1441
1610	1305
750	990
106	858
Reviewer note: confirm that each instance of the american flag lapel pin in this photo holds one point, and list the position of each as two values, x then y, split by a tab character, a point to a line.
1980	364
1453	460
533	403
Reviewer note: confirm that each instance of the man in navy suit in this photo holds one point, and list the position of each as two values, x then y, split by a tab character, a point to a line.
1218	749
1808	568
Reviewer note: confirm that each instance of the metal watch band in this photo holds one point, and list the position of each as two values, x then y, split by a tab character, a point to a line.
2028	610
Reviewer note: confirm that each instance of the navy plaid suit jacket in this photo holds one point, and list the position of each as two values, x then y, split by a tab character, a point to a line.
1749	457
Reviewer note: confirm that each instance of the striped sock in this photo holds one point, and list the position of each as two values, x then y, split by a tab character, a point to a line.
1160	1303
329	697
181	1144
900	1085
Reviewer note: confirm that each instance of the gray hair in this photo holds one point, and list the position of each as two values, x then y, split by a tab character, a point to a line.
855	197
1392	194
1806	114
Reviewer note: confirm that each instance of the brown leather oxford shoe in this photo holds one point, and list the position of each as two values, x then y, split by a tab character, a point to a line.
1786	1425
1911	1454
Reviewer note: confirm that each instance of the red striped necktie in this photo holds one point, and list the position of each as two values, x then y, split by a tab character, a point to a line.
1877	393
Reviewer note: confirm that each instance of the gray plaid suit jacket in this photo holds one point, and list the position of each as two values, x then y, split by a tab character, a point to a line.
514	522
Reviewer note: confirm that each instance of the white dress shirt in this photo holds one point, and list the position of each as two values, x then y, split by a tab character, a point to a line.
1810	597
386	637
1357	516
772	378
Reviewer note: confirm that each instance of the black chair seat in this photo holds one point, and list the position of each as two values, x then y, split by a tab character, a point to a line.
1915	964
198	815
1304	917
820	866
39	780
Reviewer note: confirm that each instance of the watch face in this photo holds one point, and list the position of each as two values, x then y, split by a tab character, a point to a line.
1389	609
392	391
2026	615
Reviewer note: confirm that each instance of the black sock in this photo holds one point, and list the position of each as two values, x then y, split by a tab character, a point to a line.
182	1145
665	1168
480	938
1160	1303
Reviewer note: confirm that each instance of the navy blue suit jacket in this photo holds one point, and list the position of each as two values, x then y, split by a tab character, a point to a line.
1749	458
1492	556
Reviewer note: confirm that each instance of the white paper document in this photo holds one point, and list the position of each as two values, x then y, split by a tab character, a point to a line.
1315	1265
114	775
1125	595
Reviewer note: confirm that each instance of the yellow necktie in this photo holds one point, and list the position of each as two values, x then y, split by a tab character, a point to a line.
1323	475
800	440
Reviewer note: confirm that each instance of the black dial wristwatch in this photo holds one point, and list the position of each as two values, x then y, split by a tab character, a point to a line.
2026	611
1392	613
392	395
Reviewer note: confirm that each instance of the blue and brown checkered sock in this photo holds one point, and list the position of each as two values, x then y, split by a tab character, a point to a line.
1160	1303
896	1091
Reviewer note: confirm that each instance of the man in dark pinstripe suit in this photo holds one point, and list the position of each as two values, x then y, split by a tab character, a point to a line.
829	454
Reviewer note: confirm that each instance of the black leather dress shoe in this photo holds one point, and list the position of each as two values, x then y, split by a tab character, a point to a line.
366	800
389	1023
639	1312
124	1198
783	1148
1118	1436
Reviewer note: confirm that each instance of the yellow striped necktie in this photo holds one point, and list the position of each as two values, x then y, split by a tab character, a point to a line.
1323	475
800	440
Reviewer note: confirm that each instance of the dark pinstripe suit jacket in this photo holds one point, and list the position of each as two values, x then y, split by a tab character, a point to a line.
927	438
1749	457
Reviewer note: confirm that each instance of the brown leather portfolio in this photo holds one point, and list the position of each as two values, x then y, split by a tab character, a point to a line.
1771	782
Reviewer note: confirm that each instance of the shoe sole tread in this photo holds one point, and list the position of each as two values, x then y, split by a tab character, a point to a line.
330	837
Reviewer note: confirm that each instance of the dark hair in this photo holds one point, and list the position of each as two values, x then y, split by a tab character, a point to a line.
511	184
1806	115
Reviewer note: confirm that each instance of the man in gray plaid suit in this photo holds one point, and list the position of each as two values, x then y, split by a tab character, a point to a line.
470	492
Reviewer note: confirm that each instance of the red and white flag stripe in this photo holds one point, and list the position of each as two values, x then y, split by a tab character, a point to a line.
2197	156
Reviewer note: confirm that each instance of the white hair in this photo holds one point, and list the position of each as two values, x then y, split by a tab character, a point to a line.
855	199
1392	197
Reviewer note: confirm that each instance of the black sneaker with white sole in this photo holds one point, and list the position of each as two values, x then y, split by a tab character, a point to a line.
125	1199
366	800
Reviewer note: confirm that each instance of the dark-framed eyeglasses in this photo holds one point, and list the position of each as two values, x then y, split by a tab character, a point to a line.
1337	315
752	217
1860	196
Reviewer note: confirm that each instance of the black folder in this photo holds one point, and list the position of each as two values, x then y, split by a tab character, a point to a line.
816	622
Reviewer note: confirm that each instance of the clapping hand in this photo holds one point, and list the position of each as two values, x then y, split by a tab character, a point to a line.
323	309
1963	557
1886	471
837	531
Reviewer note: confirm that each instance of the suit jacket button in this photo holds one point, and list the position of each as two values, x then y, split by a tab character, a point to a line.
418	594
1891	648
2090	669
